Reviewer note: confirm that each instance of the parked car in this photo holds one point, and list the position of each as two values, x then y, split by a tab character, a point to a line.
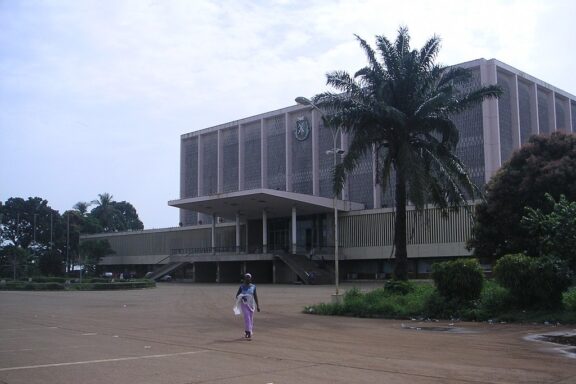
166	278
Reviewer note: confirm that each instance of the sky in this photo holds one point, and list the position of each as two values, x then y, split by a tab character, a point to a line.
94	94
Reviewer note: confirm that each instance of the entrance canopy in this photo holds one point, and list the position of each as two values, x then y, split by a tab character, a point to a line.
250	204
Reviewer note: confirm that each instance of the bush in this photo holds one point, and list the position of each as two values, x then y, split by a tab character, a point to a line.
399	287
569	299
535	283
458	281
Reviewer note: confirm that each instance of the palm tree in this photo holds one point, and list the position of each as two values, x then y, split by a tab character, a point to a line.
104	211
400	106
82	207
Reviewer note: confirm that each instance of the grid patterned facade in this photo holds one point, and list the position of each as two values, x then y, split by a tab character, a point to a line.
230	158
525	112
264	152
252	155
210	164
470	148
276	131
543	117
301	161
505	116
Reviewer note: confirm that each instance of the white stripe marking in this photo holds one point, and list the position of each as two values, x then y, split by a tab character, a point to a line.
100	361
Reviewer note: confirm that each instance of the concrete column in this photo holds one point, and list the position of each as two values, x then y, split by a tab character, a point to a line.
237	233
515	106
218	272
193	272
491	122
219	163
274	271
213	234
568	116
200	166
240	157
263	155
315	152
288	133
534	108
294	237
264	231
571	117
552	107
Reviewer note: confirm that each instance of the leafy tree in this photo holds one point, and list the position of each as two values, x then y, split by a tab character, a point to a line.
26	220
554	232
14	261
401	106
92	251
534	282
115	216
82	207
546	164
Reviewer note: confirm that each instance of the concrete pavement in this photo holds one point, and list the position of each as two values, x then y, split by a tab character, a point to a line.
187	333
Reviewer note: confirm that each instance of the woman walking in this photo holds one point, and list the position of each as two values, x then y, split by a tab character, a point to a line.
246	297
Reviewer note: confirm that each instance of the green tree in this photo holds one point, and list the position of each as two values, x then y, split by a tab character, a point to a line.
401	106
554	230
92	251
115	216
24	221
546	164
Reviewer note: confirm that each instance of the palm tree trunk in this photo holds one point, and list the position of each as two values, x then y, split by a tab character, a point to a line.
401	254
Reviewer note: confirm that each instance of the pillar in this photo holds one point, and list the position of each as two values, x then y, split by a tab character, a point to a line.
264	232
294	245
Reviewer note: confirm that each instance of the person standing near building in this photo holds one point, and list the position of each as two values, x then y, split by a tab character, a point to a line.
247	301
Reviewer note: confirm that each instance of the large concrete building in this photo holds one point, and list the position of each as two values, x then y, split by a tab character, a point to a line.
256	193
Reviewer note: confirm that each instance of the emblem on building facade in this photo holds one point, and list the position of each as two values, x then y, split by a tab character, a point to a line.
302	130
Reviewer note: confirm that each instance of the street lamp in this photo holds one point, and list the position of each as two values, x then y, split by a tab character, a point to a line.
335	151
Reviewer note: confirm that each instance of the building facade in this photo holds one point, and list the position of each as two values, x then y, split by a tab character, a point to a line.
261	187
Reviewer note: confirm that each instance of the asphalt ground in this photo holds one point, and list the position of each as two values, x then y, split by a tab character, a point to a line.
187	333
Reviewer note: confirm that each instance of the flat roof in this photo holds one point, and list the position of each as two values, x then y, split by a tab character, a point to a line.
250	204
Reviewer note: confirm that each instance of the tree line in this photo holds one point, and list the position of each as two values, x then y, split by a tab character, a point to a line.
37	239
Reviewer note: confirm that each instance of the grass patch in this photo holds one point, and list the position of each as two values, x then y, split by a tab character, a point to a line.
422	301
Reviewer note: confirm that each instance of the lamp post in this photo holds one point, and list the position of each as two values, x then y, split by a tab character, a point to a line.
335	151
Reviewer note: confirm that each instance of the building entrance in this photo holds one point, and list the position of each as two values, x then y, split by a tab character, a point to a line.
279	235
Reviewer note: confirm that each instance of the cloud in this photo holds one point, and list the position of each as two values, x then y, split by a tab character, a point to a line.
96	93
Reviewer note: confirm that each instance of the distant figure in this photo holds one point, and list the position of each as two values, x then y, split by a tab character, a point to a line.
246	297
311	254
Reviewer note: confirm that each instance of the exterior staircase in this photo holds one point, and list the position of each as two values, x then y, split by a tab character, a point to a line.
166	269
308	271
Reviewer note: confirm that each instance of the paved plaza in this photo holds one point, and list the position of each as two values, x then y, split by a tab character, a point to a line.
187	333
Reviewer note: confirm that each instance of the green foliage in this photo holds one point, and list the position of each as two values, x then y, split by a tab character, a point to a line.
399	287
380	302
52	284
115	216
546	164
533	282
555	232
92	251
569	299
459	280
51	240
401	105
495	304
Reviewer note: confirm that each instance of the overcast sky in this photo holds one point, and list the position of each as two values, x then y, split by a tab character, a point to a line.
94	95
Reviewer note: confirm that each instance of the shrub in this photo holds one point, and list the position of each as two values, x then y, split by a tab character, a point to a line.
533	282
458	280
569	299
399	287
